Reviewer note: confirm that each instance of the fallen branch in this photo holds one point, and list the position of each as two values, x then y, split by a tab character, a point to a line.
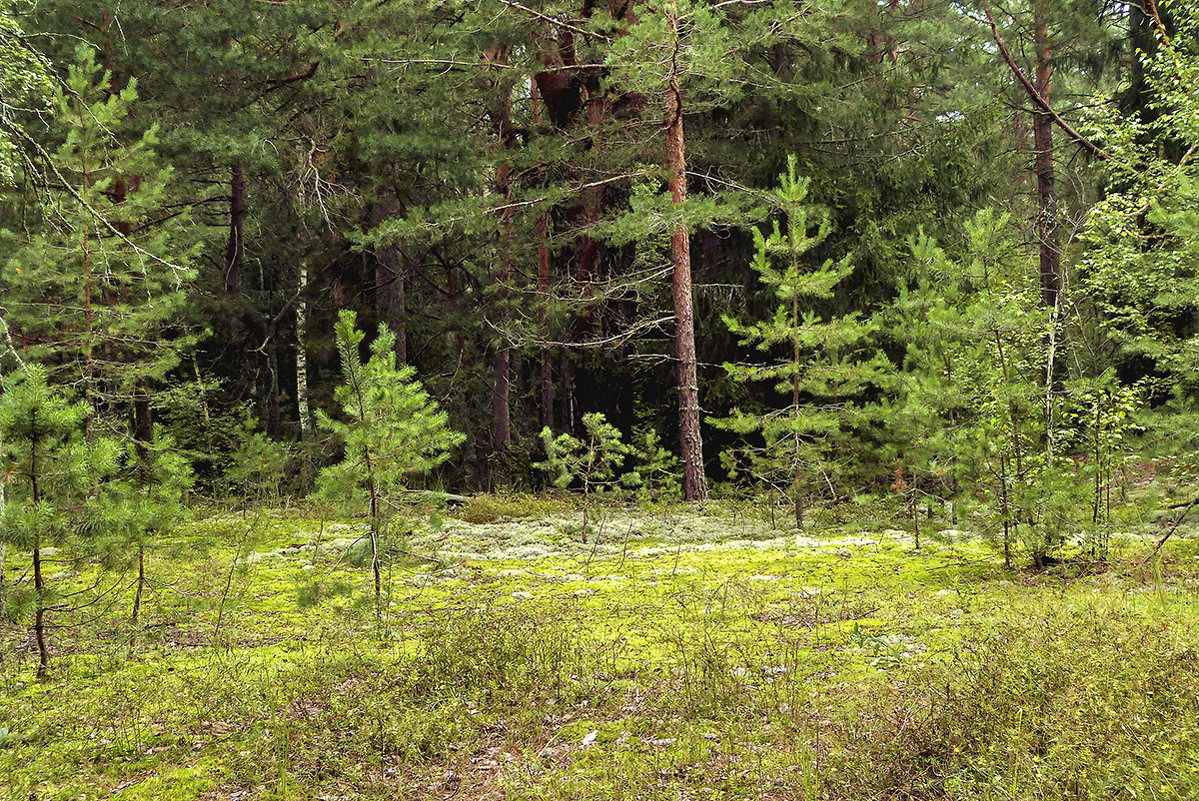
1170	533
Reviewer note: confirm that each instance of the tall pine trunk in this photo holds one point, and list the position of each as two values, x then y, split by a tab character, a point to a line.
695	486
235	245
543	289
1046	227
501	357
1047	238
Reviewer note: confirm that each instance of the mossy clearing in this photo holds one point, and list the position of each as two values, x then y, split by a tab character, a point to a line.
669	653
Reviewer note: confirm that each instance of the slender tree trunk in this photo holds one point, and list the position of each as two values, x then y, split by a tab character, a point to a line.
1043	141
375	568
303	409
141	583
1047	234
390	299
143	437
143	422
39	616
566	373
501	379
235	246
269	389
501	411
695	487
547	359
543	289
39	581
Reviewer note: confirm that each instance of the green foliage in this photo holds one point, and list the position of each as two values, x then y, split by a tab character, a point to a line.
656	472
53	475
822	362
258	466
53	471
147	503
1143	236
392	433
975	420
593	462
24	83
95	287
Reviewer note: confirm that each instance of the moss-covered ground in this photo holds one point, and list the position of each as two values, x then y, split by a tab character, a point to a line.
669	654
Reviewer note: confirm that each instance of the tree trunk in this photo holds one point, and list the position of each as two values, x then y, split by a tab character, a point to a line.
390	298
1043	142
303	409
39	581
235	246
39	616
543	290
143	422
375	568
501	359
501	416
566	373
141	582
695	487
1046	228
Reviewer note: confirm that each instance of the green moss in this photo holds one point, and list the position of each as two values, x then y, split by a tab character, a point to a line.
712	655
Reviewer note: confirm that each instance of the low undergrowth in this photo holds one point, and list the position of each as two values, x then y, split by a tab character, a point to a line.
681	656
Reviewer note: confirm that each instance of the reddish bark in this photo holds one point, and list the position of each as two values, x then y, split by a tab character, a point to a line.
695	487
1050	256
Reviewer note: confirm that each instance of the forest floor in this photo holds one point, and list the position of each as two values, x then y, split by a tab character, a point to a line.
671	654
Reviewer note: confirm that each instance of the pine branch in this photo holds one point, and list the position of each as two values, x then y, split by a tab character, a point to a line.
1037	98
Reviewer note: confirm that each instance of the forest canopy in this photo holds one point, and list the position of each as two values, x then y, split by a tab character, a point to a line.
939	249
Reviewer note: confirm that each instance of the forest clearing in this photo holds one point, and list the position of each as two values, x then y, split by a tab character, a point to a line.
676	655
648	400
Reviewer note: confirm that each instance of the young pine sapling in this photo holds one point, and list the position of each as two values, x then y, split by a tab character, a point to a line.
592	462
821	362
392	431
53	473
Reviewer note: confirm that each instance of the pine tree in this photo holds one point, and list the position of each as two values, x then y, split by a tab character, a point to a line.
95	288
53	473
392	432
592	461
145	505
824	364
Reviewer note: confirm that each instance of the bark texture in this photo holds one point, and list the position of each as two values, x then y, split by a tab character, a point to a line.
695	485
